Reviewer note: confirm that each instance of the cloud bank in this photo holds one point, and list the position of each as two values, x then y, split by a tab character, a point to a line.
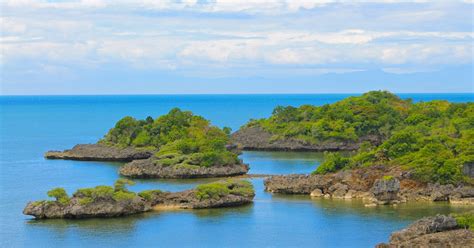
42	41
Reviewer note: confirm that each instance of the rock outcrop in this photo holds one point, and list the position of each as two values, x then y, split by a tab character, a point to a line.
148	168
99	152
256	138
75	209
386	190
438	231
102	201
370	184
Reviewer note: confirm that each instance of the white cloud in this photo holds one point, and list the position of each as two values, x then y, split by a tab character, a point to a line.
95	32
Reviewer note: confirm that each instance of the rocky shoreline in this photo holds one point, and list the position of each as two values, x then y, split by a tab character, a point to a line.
376	185
99	152
143	164
148	168
256	138
99	204
438	231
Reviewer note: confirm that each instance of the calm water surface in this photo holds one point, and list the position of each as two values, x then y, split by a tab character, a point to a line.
31	125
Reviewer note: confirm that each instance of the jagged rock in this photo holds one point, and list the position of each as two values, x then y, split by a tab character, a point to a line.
107	207
99	152
438	231
386	190
149	169
338	190
256	138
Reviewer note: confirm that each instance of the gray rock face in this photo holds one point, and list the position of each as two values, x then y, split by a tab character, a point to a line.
438	231
98	152
255	138
386	190
148	169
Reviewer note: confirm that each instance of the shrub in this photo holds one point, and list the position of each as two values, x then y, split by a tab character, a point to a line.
85	200
465	220
148	194
123	196
60	195
121	184
332	162
222	188
387	178
212	190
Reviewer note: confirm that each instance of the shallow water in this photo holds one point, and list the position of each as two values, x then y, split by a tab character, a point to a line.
29	126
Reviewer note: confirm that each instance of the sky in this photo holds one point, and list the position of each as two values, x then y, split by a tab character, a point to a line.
235	47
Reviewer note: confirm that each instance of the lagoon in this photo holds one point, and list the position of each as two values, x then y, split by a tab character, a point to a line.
31	125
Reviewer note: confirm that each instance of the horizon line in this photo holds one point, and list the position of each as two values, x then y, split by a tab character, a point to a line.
217	94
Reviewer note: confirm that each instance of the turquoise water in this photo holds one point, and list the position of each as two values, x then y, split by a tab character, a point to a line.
31	125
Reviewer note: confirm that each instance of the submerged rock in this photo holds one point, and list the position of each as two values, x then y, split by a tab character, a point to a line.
438	231
99	152
256	138
150	169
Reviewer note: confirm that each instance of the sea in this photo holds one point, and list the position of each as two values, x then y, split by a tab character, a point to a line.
32	125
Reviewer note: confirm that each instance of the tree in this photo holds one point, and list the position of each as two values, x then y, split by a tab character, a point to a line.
60	195
121	184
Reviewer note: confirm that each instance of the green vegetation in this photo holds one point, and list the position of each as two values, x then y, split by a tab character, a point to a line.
387	178
465	220
181	137
374	113
223	188
432	139
60	195
118	193
148	194
332	163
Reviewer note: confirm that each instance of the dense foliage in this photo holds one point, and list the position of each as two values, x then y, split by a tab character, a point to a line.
433	139
222	188
374	113
181	137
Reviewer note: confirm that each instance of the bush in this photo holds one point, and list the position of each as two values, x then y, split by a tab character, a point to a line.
123	196
60	195
121	185
148	194
222	188
332	162
465	220
387	178
212	190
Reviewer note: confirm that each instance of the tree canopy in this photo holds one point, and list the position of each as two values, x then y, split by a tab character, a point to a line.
433	139
181	137
373	113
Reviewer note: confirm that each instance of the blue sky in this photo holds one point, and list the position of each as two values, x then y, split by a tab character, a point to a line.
230	46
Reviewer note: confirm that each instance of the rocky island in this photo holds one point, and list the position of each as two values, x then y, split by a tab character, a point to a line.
106	201
176	145
437	231
423	151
